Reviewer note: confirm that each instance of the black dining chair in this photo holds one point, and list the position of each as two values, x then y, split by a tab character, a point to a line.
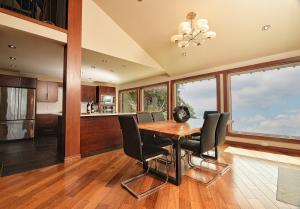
134	148
158	116
150	139
220	139
197	148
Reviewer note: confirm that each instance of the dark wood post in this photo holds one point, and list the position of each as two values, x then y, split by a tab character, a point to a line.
72	82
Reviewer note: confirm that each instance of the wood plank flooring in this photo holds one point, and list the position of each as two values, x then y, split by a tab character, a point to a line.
94	182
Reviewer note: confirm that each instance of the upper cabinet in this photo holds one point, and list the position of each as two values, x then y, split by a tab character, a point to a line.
107	90
88	93
47	91
16	81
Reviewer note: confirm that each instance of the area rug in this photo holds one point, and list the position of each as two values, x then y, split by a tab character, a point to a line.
288	185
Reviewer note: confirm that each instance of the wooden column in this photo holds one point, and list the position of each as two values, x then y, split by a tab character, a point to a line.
72	82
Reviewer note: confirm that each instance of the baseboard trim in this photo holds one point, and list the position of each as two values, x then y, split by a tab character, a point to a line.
72	159
278	150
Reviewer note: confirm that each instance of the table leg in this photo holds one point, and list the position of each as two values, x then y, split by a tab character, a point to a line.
177	146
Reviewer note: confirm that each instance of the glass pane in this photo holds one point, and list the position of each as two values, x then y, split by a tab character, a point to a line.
198	96
128	101
155	99
267	102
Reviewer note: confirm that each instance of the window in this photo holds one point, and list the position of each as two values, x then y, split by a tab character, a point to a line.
128	101
155	99
267	102
198	96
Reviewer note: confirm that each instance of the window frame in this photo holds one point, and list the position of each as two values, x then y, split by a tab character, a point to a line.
141	89
120	98
207	76
228	99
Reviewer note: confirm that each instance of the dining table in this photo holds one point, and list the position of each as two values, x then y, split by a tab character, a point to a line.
175	131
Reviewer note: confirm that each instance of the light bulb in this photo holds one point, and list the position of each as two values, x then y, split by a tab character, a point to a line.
176	38
183	44
210	34
185	27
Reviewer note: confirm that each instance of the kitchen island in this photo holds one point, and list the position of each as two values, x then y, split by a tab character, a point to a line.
99	132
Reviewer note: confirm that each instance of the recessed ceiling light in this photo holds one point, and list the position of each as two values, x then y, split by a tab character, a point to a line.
12	46
12	58
265	27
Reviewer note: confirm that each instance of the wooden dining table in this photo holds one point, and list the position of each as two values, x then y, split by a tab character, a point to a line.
175	131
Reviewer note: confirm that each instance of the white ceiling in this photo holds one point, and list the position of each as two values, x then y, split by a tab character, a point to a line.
237	23
44	57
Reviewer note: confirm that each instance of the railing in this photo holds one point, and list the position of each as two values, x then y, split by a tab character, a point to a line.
53	12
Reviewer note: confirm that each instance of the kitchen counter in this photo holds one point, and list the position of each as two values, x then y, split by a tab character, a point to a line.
99	114
104	114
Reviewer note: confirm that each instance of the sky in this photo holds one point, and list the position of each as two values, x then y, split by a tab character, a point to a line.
266	102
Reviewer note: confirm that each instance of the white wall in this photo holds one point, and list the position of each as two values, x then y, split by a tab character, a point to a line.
33	28
101	34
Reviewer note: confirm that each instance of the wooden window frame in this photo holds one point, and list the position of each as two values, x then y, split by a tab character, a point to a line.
228	100
126	90
155	85
139	90
207	76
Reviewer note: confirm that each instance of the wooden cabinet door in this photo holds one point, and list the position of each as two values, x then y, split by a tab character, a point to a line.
9	81
28	83
52	92
46	124
88	93
42	91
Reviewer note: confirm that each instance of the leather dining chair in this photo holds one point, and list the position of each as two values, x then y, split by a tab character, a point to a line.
150	139
134	148
158	116
220	138
197	148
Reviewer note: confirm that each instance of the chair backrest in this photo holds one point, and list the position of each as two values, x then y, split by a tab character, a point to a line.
221	128
208	112
144	117
132	144
208	132
158	116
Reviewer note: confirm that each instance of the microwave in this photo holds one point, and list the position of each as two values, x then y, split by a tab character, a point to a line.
106	99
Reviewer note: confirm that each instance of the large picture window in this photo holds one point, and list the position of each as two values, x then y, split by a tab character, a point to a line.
155	99
198	96
267	102
128	101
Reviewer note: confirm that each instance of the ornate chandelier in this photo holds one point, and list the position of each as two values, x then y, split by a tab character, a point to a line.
193	31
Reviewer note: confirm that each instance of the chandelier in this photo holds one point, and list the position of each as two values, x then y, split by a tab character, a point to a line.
193	31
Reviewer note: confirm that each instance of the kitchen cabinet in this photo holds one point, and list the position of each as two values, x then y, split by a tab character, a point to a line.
9	81
16	81
107	90
88	93
46	124
47	91
29	83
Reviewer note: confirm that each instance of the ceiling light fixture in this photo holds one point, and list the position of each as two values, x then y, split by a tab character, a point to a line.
265	27
12	58
12	46
192	31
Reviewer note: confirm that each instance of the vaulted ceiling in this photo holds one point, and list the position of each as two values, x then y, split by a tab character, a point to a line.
238	25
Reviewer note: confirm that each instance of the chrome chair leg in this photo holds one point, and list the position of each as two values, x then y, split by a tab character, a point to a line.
192	165
151	190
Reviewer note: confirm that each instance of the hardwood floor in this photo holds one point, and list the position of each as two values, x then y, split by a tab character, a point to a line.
94	182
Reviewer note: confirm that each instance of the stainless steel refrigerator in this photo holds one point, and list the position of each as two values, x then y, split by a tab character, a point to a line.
17	113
